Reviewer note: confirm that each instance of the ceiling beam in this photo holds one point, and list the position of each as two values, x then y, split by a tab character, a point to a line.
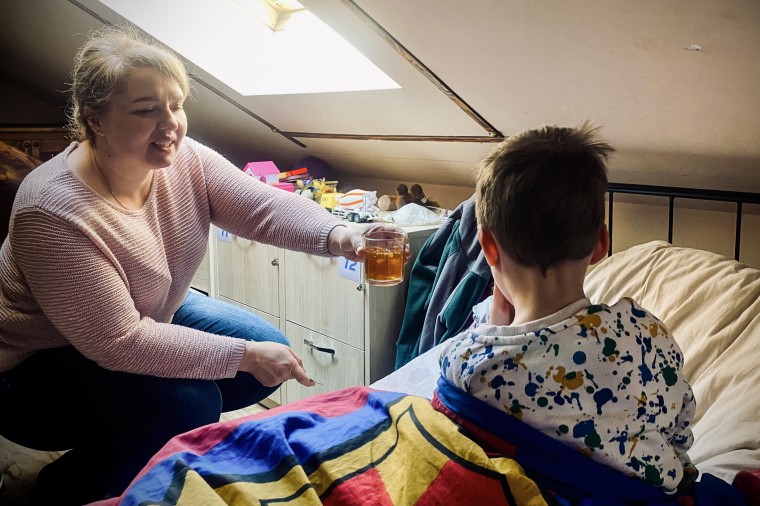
423	69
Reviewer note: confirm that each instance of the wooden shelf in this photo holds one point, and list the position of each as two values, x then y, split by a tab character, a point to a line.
43	143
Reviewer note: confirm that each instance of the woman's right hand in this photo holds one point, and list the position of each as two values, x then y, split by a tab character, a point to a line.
273	364
349	242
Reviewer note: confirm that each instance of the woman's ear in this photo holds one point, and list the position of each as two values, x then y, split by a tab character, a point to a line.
489	246
93	121
602	245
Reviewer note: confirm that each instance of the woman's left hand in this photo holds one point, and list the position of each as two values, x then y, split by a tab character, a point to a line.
348	242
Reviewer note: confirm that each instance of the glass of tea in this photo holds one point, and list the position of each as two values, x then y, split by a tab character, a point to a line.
384	260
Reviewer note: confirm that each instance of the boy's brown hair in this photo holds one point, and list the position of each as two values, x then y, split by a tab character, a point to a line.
541	194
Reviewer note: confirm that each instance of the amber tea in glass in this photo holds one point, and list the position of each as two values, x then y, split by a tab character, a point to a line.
384	260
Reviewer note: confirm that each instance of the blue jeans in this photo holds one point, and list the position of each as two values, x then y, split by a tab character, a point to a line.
113	422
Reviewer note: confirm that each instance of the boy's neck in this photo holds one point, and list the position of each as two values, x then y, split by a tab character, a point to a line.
535	295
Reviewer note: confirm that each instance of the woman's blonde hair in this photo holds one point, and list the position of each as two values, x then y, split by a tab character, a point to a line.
102	64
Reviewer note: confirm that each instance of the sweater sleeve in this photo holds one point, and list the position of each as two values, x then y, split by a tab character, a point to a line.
83	292
251	209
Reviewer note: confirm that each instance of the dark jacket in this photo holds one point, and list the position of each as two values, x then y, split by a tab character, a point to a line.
448	278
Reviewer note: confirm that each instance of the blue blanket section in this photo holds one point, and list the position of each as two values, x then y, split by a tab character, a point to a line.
574	477
265	445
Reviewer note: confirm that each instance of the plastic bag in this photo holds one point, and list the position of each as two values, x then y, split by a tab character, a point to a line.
415	214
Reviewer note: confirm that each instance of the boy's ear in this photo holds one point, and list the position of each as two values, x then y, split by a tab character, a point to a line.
489	246
602	245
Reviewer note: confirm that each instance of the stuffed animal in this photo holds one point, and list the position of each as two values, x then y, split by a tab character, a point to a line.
403	196
419	197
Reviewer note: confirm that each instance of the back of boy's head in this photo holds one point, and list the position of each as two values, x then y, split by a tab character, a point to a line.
541	194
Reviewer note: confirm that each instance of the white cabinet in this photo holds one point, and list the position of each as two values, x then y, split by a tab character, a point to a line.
344	330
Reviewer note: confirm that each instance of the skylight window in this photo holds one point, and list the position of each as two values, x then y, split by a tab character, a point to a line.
257	47
273	13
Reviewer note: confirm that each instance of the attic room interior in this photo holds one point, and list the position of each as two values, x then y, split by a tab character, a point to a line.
419	92
677	116
672	86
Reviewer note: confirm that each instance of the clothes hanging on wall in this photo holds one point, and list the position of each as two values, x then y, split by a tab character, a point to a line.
448	278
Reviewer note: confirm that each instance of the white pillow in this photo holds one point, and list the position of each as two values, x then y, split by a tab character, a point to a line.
711	304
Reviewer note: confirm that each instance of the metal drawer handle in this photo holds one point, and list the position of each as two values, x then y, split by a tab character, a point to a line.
275	263
313	346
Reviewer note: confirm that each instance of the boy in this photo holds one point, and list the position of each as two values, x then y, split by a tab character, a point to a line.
606	380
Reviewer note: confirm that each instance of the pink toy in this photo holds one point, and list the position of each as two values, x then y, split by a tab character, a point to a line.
267	172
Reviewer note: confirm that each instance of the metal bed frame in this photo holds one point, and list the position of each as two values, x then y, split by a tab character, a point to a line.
739	198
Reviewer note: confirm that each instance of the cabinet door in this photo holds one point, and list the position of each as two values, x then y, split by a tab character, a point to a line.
332	371
318	299
248	272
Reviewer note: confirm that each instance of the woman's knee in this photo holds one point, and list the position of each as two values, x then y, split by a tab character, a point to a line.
222	318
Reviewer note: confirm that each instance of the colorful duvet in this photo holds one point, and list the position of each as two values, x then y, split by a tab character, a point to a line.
353	446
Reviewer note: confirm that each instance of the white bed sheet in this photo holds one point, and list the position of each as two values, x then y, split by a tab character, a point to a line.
418	377
712	306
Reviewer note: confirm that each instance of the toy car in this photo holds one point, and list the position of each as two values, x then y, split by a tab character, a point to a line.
356	206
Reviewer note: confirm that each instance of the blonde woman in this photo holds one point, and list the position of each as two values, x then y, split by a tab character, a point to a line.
102	349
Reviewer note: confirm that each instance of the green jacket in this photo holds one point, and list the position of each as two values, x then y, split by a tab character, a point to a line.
449	276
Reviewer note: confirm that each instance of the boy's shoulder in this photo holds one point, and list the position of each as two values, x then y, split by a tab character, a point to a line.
628	305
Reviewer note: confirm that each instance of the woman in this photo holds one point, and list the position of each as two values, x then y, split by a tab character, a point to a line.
102	348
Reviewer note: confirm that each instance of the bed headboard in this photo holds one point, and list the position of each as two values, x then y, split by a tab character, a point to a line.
691	195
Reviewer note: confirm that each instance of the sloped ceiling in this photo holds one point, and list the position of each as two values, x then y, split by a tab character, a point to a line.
676	116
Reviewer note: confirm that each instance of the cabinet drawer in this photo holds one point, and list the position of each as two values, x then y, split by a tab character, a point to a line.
248	272
318	299
342	369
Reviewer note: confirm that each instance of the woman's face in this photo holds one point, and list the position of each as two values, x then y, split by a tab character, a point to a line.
144	123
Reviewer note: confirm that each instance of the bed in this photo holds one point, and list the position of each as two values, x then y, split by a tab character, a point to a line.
407	439
389	443
712	307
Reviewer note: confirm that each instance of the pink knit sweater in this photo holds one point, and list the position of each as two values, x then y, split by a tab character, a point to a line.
76	269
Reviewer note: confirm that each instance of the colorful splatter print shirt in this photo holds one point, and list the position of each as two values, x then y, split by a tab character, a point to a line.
606	380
